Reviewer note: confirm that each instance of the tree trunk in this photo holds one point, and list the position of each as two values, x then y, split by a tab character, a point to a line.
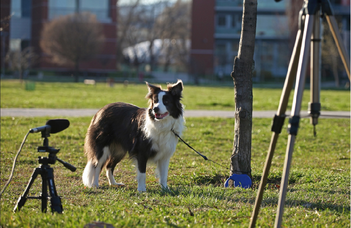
242	77
20	72
151	54
166	66
334	64
168	57
76	69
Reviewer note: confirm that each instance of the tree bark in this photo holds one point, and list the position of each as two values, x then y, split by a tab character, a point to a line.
242	77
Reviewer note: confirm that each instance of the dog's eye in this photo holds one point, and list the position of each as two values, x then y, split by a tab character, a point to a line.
155	99
165	101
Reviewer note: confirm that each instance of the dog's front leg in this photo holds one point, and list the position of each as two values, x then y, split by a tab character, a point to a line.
141	175
162	166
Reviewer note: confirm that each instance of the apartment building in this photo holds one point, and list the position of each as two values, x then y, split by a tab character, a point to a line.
28	17
216	28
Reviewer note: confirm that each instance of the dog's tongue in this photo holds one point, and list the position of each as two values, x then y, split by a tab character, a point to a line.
161	116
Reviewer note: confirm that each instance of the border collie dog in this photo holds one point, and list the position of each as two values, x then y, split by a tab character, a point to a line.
145	133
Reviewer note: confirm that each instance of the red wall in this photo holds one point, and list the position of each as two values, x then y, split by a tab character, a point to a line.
5	25
202	36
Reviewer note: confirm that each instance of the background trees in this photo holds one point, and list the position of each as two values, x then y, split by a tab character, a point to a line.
72	39
20	61
162	28
174	26
128	17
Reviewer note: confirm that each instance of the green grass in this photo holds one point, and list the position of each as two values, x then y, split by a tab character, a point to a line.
78	95
318	192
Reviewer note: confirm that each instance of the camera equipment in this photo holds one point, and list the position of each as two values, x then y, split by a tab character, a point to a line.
307	35
52	126
44	169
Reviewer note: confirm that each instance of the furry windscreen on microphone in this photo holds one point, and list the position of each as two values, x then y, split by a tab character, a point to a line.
58	125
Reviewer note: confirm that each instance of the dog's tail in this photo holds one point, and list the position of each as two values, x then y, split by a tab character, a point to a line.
89	174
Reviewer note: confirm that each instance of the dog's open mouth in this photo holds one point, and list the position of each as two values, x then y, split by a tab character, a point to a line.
161	116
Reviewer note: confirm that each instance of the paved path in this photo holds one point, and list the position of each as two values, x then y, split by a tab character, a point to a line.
187	113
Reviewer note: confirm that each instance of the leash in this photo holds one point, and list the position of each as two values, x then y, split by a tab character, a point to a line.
203	156
239	180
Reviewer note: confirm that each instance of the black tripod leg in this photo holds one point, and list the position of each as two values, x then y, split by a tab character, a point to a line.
44	190
278	122
56	205
23	198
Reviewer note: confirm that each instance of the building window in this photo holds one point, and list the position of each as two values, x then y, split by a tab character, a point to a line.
267	56
235	21
21	8
61	8
220	48
221	20
19	45
235	46
99	8
26	8
20	23
15	44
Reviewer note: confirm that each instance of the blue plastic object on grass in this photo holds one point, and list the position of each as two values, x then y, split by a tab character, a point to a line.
240	180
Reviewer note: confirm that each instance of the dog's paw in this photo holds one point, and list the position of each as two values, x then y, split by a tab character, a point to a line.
164	185
141	189
118	185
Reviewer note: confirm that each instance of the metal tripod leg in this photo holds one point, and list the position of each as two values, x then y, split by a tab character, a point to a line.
295	113
336	35
311	24
278	122
314	107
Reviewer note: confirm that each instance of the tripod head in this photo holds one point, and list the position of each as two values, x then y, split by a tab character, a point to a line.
52	126
52	158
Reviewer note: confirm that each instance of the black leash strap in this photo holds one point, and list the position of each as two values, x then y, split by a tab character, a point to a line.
189	145
204	157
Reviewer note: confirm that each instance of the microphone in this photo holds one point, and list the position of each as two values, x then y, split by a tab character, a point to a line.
52	126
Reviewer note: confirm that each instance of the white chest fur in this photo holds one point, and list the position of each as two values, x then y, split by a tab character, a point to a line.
163	139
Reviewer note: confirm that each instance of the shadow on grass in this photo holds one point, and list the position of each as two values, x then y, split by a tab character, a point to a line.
339	208
211	185
216	180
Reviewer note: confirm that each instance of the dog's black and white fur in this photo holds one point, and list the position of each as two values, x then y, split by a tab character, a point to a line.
145	133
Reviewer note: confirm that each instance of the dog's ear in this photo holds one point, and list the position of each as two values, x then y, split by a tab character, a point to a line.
176	89
152	90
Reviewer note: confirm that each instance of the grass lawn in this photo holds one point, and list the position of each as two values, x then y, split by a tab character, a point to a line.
78	95
319	183
318	192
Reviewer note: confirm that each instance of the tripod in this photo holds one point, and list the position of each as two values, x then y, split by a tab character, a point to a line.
309	32
47	180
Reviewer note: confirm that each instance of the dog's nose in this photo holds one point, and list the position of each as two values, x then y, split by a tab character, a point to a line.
156	109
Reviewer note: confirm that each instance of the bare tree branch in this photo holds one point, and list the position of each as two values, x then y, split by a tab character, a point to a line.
21	60
138	23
